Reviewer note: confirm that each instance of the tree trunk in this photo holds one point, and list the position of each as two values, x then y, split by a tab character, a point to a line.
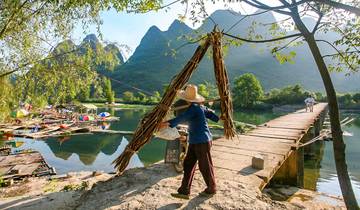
338	142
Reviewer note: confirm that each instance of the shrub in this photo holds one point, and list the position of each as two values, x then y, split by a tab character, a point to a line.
247	91
356	97
345	99
287	95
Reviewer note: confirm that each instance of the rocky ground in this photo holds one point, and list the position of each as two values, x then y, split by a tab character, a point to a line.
150	188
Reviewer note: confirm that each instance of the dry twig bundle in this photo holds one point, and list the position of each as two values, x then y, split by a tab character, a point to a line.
149	124
222	82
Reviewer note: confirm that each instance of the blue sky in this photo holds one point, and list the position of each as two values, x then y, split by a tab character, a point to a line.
126	28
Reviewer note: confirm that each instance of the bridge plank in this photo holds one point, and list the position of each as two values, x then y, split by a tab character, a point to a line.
272	136
264	139
280	130
280	134
246	151
280	149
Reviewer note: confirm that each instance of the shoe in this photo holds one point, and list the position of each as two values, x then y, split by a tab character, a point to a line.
179	195
206	194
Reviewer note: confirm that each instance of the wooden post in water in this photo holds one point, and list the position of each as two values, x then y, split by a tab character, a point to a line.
292	170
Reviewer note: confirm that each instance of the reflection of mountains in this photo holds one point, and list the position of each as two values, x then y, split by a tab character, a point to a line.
86	147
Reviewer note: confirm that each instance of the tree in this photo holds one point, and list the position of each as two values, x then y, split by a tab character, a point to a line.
61	79
142	97
319	96
28	29
328	18
202	89
208	90
247	91
338	142
128	96
356	97
7	98
346	99
109	94
84	94
288	95
155	98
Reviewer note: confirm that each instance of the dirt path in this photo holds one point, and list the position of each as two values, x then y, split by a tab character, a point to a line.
140	188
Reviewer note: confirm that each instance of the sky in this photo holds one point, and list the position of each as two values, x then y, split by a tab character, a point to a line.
128	29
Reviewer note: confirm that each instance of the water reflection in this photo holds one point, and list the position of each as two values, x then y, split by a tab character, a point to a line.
313	157
320	170
87	147
97	151
255	118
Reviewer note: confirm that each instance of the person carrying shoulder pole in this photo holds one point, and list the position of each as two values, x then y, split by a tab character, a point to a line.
199	142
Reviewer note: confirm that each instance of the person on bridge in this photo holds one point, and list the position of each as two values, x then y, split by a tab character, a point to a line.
199	142
309	103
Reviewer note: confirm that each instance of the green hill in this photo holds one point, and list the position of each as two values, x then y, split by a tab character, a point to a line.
152	65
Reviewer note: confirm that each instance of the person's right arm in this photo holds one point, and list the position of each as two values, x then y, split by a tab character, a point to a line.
183	117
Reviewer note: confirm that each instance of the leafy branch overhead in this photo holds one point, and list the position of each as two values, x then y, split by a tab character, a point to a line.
331	16
30	31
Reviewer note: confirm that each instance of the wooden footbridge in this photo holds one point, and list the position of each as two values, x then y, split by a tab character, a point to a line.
277	141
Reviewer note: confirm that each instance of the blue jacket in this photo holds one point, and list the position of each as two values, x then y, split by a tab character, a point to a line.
195	117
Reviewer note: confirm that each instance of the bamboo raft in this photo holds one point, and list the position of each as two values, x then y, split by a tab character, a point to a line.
112	132
49	123
53	131
65	132
22	165
5	150
52	127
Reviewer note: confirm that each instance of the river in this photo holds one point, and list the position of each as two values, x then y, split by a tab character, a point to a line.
320	172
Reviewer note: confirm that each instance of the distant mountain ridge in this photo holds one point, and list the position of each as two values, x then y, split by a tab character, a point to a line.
94	43
152	64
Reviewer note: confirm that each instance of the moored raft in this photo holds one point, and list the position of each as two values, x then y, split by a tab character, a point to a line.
25	164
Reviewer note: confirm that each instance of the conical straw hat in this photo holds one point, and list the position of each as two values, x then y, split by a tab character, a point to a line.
190	94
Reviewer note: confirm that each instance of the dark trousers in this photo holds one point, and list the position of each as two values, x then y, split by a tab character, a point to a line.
201	153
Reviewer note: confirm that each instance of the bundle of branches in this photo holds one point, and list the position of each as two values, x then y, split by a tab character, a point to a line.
222	82
150	123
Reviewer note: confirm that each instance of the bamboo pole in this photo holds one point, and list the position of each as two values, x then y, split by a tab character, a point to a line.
222	82
149	124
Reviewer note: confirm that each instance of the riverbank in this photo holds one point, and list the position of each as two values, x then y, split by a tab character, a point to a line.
123	106
148	188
